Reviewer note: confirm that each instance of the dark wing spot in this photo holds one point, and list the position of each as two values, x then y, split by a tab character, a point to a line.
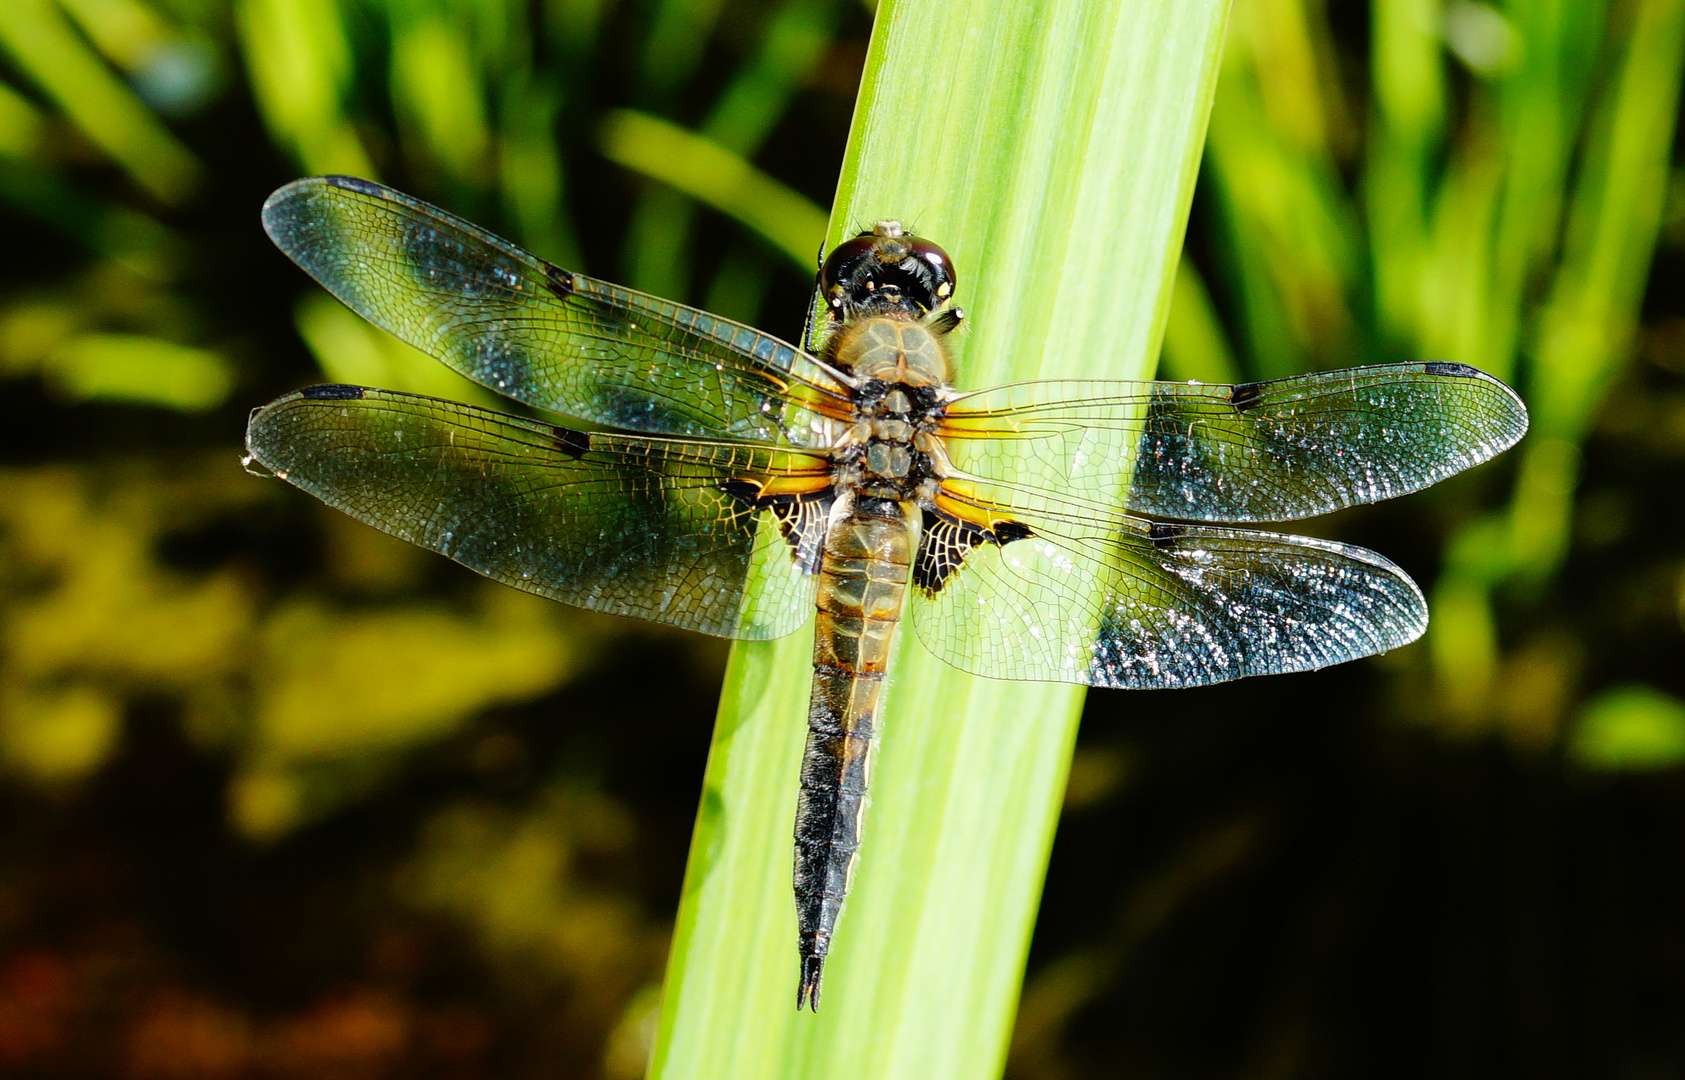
573	443
945	542
802	522
943	546
1008	531
332	392
1164	534
357	184
1245	395
745	491
801	518
558	280
1461	371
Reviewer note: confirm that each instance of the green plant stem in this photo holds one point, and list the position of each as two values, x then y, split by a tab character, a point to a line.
1051	148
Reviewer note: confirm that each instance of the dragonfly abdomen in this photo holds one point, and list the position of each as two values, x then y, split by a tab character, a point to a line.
862	582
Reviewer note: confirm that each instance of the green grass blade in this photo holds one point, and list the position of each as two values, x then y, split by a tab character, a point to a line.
794	42
1276	188
1051	148
436	89
300	64
41	42
1588	325
711	174
1408	131
1195	347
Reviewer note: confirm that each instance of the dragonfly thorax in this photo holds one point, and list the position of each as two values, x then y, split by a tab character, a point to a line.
892	350
891	450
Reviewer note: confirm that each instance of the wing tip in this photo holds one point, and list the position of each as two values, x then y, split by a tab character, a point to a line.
1510	418
260	423
279	218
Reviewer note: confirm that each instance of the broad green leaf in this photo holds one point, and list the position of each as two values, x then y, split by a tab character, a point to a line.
1050	146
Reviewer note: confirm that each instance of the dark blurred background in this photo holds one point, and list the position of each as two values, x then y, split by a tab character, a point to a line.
282	797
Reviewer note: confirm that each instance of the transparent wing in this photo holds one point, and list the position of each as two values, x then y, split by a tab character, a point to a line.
649	528
1269	451
544	336
1121	602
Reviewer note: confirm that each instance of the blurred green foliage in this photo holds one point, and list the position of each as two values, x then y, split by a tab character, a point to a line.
1631	727
1499	207
286	668
1486	183
283	797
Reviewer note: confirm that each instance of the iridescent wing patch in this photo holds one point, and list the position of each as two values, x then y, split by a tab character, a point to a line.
544	336
658	529
1118	601
1270	451
1038	577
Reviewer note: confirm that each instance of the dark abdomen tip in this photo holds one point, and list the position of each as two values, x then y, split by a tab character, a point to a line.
813	972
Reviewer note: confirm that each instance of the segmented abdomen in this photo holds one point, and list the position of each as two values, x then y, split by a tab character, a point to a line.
862	580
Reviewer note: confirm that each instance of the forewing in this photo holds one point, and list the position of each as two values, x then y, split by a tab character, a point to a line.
633	526
1267	451
1143	605
546	337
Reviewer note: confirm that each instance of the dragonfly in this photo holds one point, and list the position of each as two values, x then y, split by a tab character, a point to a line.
734	484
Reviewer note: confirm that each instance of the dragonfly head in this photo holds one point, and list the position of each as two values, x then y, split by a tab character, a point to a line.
887	271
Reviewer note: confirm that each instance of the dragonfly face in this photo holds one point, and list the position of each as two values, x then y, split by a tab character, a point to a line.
751	485
885	272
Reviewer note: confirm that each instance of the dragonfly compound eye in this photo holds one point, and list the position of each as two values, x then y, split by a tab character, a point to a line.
886	270
934	270
840	274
